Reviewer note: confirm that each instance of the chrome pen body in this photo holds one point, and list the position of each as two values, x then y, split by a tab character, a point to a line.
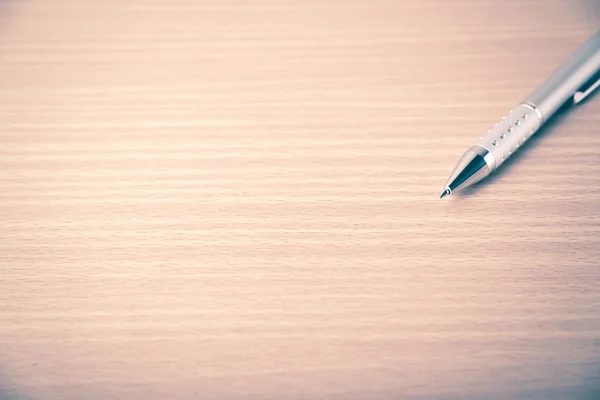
572	82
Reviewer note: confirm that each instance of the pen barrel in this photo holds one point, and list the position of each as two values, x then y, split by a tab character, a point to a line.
511	132
574	73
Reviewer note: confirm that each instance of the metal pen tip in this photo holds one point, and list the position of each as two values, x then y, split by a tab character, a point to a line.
445	193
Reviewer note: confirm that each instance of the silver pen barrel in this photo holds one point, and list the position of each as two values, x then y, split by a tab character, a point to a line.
578	71
574	80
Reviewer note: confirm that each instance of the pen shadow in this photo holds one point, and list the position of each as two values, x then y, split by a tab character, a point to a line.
553	124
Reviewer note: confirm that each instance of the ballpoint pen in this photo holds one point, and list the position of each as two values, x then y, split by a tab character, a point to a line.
572	82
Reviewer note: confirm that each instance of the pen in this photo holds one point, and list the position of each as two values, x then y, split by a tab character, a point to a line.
574	80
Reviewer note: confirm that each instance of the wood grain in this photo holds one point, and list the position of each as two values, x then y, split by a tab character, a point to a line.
238	199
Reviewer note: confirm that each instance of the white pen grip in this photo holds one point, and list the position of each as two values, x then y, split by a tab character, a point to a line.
511	132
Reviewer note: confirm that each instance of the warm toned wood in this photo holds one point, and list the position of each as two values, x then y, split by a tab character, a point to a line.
238	199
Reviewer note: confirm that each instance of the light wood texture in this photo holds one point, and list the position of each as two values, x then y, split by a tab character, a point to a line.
239	199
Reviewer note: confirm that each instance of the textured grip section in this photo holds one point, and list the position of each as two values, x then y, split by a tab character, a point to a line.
511	132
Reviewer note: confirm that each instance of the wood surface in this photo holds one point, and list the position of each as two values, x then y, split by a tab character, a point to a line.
239	200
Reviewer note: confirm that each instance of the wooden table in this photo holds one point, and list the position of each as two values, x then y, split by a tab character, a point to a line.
239	199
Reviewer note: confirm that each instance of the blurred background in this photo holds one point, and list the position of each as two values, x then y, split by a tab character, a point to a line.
239	200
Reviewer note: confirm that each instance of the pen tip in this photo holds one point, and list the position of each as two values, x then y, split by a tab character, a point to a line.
445	193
